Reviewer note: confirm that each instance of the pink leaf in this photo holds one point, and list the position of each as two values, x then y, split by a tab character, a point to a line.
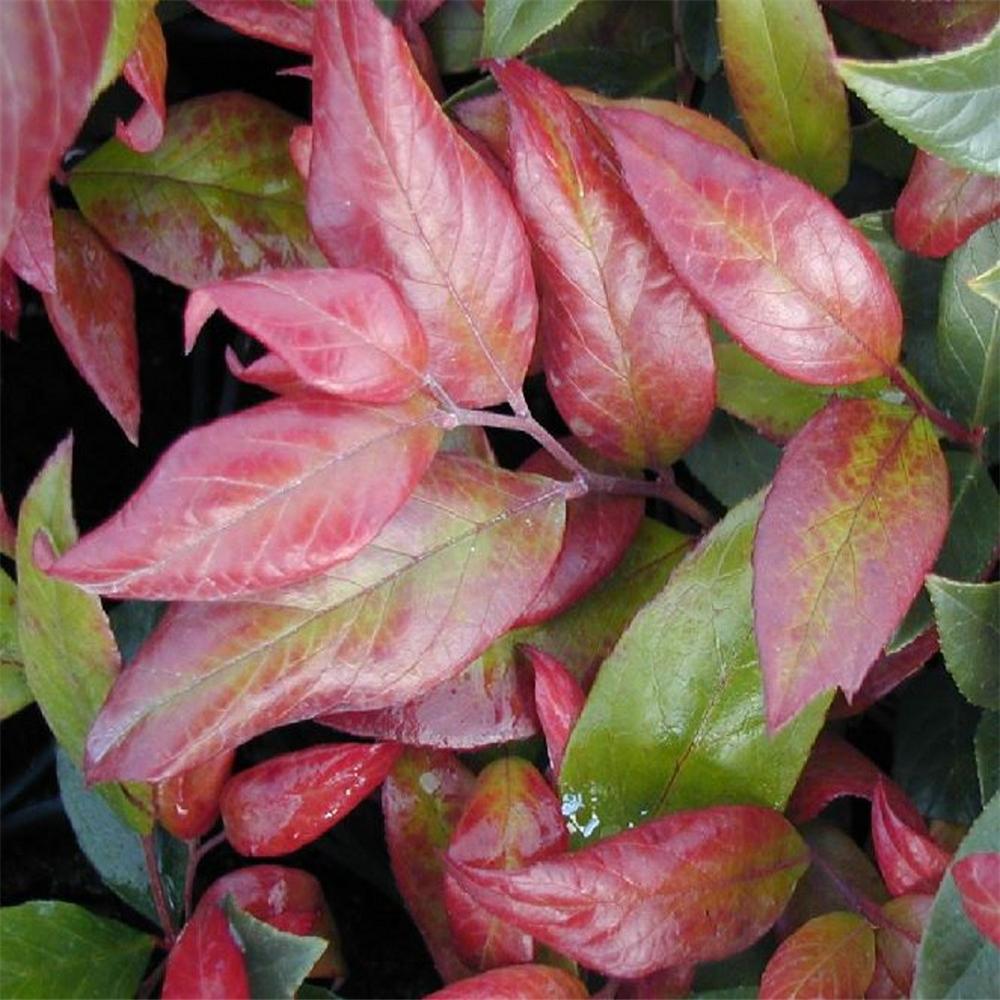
977	877
517	982
599	529
146	72
444	578
393	187
512	817
422	799
31	252
10	301
909	860
287	23
768	256
258	499
288	801
626	352
269	372
346	332
688	887
942	205
830	957
49	63
488	703
559	700
853	521
93	314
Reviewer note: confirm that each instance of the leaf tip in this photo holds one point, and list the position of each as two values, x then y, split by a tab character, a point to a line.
200	305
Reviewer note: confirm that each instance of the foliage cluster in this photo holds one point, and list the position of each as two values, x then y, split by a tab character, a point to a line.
608	693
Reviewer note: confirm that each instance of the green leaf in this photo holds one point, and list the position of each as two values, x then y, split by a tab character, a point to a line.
70	656
675	719
14	690
968	343
55	949
115	849
127	17
968	621
277	962
512	25
954	959
968	548
219	197
779	63
988	754
987	285
732	460
455	33
933	754
945	103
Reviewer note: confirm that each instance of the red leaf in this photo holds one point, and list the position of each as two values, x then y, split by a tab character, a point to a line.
422	799
512	817
259	499
977	877
402	193
488	703
444	578
909	860
93	315
599	529
32	248
10	301
831	957
290	800
626	352
206	960
287	23
942	205
559	700
936	24
346	332
269	372
853	521
689	887
146	72
768	256
518	982
187	805
49	63
671	983
897	938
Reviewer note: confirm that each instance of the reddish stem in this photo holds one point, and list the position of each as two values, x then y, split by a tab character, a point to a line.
956	432
156	885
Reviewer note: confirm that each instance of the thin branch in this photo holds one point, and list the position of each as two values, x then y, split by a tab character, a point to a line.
956	432
156	885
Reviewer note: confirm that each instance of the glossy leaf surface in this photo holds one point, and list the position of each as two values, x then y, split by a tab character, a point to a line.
943	103
206	960
96	957
779	62
219	197
968	334
855	518
93	314
770	258
403	616
510	819
654	737
259	499
288	23
955	960
187	805
689	887
977	877
43	42
422	800
517	982
510	26
393	187
288	801
942	206
346	332
831	956
968	621
559	701
626	351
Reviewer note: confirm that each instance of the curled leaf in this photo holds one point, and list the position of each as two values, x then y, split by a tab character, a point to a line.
559	701
146	71
187	805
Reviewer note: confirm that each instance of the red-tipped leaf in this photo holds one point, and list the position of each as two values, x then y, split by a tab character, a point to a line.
259	499
516	982
768	256
853	521
287	23
288	801
393	187
689	887
346	332
559	700
977	877
626	351
146	72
